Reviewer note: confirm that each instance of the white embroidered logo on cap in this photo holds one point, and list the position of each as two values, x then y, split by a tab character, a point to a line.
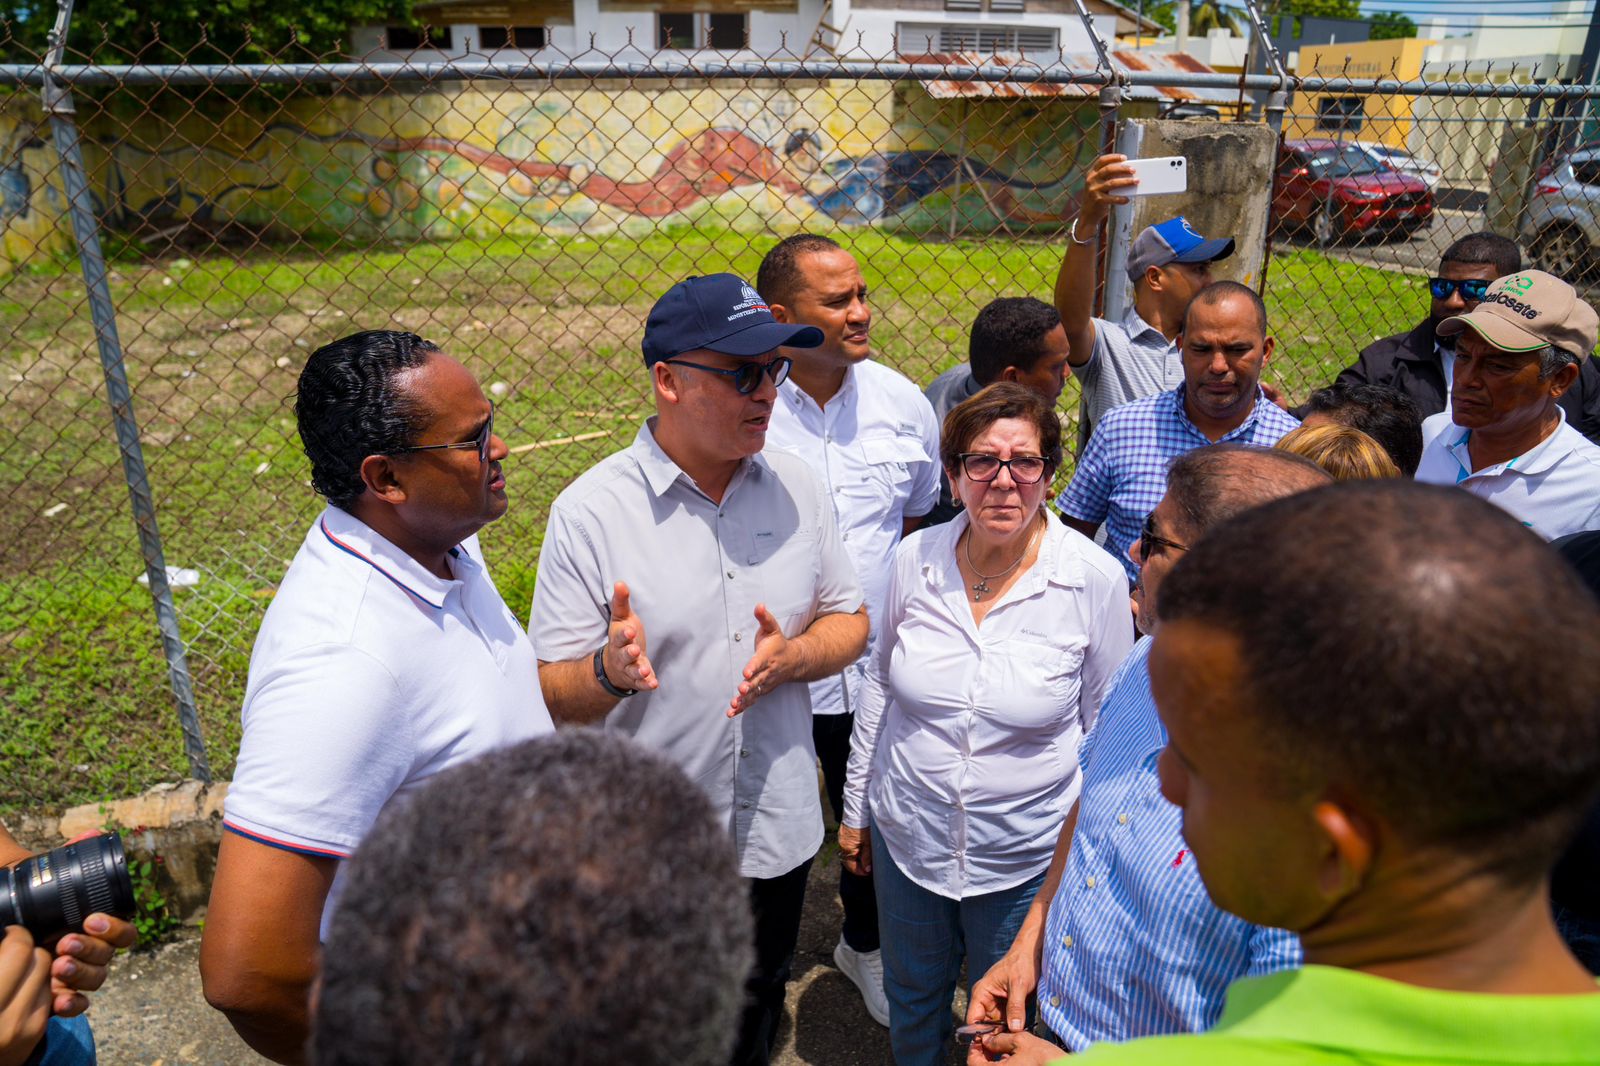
748	293
1189	229
750	303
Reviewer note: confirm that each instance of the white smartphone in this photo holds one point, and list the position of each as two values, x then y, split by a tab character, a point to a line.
1165	174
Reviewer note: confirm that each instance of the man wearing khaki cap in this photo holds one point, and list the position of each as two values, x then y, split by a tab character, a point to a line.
1504	437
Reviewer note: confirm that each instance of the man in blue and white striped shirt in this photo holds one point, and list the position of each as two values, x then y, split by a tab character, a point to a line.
1122	940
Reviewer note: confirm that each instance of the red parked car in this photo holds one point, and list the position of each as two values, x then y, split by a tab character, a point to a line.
1339	190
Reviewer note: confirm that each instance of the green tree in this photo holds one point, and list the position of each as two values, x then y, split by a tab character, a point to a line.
1387	25
199	31
1204	16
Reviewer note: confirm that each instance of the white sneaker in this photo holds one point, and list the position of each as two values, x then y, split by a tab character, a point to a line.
865	969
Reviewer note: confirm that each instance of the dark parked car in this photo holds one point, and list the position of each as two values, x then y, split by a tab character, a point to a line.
1338	190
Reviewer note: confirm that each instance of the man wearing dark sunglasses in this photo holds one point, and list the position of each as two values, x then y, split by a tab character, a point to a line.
731	560
1421	364
386	656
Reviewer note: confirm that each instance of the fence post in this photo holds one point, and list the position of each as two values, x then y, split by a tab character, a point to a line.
58	106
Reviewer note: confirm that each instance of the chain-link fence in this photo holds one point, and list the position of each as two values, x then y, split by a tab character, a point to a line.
190	232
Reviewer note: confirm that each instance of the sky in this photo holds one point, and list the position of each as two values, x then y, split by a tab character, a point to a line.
1463	14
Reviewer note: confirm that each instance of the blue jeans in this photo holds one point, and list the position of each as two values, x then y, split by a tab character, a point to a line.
924	938
67	1042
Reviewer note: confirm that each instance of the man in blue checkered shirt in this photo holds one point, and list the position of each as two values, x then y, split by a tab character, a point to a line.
1122	474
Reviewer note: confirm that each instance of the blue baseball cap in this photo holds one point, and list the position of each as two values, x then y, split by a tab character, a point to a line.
719	313
1174	241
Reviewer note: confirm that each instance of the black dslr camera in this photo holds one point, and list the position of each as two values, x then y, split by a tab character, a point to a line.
51	894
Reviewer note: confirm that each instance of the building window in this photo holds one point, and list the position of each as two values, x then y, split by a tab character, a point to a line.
721	31
1014	7
412	39
974	37
527	38
1340	114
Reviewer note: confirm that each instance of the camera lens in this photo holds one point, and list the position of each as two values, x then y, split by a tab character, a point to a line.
53	893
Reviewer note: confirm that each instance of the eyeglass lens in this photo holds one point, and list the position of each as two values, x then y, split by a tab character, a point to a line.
747	378
1025	469
1471	288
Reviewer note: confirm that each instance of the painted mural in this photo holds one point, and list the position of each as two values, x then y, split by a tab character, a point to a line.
590	160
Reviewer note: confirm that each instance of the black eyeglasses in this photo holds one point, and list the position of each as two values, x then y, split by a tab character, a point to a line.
1025	469
480	442
747	376
1470	289
1148	539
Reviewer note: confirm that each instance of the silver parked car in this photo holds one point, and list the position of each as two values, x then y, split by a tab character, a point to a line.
1559	227
1403	161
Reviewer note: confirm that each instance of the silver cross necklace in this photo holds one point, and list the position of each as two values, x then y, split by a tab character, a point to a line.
981	588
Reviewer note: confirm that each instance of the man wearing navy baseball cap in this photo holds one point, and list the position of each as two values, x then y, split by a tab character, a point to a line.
1117	362
731	560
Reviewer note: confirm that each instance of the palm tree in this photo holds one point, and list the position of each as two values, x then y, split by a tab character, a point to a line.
1208	15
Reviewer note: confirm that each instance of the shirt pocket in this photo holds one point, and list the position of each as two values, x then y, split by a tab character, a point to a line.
888	465
1039	684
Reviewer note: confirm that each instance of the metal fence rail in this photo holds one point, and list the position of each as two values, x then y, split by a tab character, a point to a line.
174	239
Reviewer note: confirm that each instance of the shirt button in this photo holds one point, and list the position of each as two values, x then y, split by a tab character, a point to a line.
730	578
1055	1001
745	804
744	753
738	636
1089	881
1122	819
1066	941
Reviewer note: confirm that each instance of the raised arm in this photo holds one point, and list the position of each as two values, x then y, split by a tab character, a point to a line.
1075	282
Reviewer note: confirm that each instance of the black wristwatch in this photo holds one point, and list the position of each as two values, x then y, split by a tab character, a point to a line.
605	682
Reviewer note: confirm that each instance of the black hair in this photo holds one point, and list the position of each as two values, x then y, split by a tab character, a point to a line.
347	407
1209	485
1009	332
1387	415
1218	291
1417	649
573	894
778	276
1499	252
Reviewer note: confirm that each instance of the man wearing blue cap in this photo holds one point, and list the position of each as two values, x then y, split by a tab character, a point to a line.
731	559
1117	362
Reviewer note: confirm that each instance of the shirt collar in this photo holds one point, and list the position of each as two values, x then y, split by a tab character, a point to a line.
661	473
1352	1011
348	534
798	399
1177	405
1054	565
1134	326
1536	460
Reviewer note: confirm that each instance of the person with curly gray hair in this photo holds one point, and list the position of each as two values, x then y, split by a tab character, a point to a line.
572	898
387	656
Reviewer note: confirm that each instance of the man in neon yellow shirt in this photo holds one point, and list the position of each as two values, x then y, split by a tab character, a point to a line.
1383	707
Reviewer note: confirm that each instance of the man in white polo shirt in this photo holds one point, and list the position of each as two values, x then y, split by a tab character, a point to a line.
870	435
1504	436
731	560
386	657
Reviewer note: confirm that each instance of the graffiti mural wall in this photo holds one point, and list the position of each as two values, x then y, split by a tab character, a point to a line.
589	160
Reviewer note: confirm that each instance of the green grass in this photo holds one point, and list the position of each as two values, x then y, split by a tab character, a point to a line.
85	711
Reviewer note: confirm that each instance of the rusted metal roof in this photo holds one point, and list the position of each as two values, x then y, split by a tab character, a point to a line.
1126	61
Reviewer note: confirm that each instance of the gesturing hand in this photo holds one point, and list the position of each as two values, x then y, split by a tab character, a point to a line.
772	664
625	661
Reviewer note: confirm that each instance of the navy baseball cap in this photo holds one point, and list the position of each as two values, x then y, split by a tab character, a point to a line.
720	313
1174	241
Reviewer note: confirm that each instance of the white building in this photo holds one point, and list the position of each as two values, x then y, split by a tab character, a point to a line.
853	30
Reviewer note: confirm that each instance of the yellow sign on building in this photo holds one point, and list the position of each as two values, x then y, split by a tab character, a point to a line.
1349	116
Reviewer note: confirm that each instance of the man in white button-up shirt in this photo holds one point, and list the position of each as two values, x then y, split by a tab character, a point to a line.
386	657
1505	437
870	435
690	586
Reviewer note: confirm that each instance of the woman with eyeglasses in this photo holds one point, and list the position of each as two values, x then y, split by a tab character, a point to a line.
1000	635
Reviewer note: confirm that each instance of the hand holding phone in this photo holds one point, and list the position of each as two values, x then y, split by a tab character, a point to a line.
1164	174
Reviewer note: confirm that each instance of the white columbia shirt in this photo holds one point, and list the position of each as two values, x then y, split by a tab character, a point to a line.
369	676
695	572
965	750
1553	489
875	448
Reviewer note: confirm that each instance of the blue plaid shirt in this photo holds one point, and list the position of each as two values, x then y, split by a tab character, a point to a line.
1133	945
1122	474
